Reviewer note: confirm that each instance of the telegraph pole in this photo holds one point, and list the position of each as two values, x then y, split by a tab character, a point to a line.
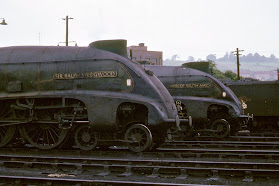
237	58
67	18
3	22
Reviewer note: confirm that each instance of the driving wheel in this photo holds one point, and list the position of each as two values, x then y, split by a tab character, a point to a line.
6	134
43	135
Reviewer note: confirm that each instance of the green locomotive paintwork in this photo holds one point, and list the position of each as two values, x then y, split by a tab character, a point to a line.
210	103
48	90
51	76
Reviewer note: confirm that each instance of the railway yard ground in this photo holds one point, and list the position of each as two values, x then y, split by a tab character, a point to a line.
236	160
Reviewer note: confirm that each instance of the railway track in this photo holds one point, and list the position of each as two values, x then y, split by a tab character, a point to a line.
167	153
29	180
173	171
233	150
175	162
144	166
222	144
241	138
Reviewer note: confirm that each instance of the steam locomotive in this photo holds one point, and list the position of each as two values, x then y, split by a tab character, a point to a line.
92	94
213	107
258	97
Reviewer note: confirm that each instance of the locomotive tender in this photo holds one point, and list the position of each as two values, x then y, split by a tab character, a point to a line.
48	93
212	106
262	99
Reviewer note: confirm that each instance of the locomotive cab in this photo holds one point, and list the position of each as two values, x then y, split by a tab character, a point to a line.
212	106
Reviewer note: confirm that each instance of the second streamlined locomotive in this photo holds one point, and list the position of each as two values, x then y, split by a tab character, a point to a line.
49	93
212	106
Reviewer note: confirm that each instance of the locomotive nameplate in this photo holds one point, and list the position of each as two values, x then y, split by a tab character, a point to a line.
86	75
189	85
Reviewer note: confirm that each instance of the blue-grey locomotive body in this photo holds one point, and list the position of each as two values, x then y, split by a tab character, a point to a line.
212	106
89	94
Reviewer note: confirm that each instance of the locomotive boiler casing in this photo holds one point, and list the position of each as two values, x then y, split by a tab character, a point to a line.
202	96
115	91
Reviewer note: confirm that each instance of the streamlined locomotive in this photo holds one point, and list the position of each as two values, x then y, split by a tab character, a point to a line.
48	93
212	106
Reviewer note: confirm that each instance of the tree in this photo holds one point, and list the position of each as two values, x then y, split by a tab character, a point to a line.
214	71
224	58
190	59
230	75
211	57
174	57
272	57
249	57
257	55
232	57
219	74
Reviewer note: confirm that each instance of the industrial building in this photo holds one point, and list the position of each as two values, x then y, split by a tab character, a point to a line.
141	54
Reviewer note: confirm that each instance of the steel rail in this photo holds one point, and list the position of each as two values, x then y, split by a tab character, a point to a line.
122	166
29	179
166	153
221	144
260	138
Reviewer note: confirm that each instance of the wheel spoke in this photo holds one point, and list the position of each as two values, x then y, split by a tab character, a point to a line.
53	140
47	136
85	138
34	134
7	133
141	135
33	129
44	136
2	132
222	128
39	136
53	131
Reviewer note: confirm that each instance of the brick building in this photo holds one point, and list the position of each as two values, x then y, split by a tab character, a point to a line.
140	54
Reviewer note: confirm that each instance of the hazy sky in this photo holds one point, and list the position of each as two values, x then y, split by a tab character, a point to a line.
183	27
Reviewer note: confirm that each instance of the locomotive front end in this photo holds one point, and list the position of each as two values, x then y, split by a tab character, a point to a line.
213	107
146	110
89	96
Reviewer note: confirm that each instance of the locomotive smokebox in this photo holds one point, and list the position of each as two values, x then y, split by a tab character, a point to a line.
116	46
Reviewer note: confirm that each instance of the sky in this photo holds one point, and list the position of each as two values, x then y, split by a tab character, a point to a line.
182	27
